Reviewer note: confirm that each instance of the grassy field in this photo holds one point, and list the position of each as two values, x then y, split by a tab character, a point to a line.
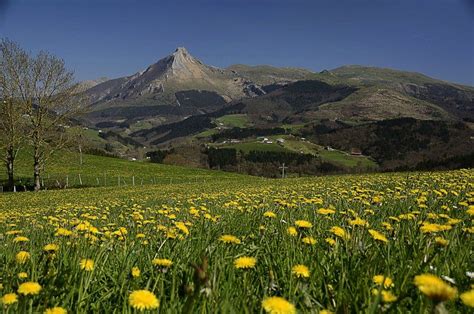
234	120
293	144
345	244
105	171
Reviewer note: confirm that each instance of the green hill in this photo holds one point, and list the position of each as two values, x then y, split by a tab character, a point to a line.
65	167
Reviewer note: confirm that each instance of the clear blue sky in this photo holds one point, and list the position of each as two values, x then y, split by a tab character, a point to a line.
120	37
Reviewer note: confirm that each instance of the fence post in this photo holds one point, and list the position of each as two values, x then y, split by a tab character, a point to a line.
118	178
67	182
133	180
98	182
80	179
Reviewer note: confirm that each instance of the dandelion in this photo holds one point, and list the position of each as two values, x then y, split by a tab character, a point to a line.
381	279
433	228
63	232
441	241
55	310
303	224
143	300
135	272
325	211
29	288
387	296
269	214
300	271
378	236
330	241
292	231
468	298
22	275
51	248
22	256
227	238
309	240
245	262
87	264
341	233
163	262
20	239
9	298
278	305
434	287
358	222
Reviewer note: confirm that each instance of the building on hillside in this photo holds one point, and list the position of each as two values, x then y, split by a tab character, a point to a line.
356	152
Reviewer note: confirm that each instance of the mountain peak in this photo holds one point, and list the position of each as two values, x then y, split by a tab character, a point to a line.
181	50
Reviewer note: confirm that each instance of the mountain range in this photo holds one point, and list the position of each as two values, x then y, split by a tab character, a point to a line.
179	96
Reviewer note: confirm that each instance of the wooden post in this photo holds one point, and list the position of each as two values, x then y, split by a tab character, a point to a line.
67	182
133	180
118	180
80	179
98	182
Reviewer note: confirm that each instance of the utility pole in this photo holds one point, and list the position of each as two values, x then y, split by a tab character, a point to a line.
283	170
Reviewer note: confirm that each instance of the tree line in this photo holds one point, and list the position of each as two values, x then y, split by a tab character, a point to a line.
38	98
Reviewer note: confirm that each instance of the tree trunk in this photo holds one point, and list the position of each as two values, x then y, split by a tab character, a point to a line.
10	168
36	171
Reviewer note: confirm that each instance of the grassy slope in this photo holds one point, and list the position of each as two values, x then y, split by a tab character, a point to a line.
108	170
294	145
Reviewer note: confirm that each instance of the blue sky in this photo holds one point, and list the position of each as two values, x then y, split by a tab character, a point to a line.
120	37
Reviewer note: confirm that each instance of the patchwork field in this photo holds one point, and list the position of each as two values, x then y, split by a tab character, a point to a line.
367	243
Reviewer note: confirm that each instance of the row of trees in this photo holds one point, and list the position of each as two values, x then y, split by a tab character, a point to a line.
38	98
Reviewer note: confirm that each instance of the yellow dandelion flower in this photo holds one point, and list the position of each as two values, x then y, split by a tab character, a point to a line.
245	262
269	214
278	305
309	240
9	298
22	275
379	280
387	296
427	227
441	241
468	298
143	300
341	233
358	222
135	272
22	256
325	312
28	288
87	264
434	287
292	231
378	236
300	271
51	247
227	238
303	224
387	226
56	310
163	262
330	241
20	239
325	211
63	232
470	211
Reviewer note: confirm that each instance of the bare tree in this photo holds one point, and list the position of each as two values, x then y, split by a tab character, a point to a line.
53	102
14	63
